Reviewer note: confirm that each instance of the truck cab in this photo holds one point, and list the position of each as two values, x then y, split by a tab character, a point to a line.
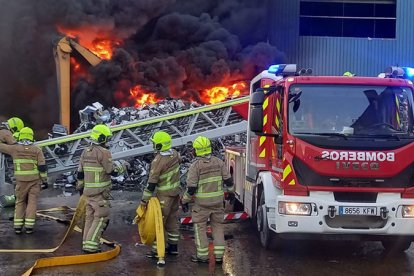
330	156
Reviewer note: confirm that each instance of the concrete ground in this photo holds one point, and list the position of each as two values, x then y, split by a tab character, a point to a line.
244	255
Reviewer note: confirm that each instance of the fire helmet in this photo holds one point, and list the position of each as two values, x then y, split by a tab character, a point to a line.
100	133
26	133
15	124
348	74
161	141
202	146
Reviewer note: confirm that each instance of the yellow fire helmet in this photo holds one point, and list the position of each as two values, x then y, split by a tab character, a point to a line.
161	141
15	124
26	133
100	133
348	74
202	146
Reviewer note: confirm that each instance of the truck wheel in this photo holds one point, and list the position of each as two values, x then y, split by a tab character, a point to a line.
265	234
396	245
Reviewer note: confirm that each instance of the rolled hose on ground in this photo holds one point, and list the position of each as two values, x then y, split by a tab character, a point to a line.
77	219
150	225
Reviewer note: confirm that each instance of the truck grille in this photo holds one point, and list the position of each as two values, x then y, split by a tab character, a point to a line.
355	222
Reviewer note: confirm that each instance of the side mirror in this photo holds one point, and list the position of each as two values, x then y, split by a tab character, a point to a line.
256	111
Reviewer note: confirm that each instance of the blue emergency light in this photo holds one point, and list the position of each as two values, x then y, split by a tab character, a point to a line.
399	72
409	72
283	69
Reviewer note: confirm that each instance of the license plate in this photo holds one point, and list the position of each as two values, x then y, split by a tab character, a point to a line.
357	211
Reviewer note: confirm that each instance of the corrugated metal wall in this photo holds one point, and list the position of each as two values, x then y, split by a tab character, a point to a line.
335	55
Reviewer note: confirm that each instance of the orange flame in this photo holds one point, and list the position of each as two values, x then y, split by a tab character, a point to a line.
99	44
220	93
75	65
141	97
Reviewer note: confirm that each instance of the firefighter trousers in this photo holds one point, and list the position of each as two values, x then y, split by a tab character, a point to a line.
96	221
200	216
169	209
26	193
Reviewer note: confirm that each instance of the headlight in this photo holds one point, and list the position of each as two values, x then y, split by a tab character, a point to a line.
295	208
408	211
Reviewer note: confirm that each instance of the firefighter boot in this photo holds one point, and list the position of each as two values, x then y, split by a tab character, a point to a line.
196	259
172	249
28	230
18	230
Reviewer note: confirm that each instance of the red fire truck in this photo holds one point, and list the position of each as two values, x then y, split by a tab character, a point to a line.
328	157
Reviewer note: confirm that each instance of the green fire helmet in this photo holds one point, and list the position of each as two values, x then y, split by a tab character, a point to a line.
15	124
161	141
26	133
202	146
100	133
348	74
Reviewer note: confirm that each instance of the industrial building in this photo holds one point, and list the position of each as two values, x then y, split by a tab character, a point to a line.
334	36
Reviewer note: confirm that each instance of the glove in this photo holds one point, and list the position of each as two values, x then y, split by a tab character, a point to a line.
185	207
231	198
144	203
80	190
44	186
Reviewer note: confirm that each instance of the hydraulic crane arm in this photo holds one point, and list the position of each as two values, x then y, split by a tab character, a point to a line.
62	52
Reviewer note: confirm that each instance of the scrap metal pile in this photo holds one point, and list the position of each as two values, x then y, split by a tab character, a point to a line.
136	177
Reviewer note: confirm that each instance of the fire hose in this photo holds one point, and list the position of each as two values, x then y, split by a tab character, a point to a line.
151	227
67	260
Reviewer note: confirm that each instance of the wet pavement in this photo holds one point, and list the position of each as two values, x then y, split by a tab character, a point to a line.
244	255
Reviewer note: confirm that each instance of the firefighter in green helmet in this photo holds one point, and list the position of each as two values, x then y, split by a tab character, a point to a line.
205	180
94	180
9	131
165	178
31	175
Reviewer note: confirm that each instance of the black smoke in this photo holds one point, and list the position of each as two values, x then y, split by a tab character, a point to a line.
172	48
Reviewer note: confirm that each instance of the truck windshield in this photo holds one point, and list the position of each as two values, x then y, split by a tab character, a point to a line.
350	110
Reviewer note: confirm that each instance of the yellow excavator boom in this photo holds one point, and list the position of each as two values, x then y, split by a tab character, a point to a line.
62	52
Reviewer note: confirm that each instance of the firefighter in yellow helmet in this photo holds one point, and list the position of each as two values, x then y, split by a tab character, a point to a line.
205	180
165	176
31	175
9	131
94	181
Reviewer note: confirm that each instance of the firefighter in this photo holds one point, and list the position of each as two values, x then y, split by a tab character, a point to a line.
94	181
165	176
205	180
31	176
9	131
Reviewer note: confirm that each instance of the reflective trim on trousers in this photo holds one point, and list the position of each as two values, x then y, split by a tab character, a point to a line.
202	252
29	222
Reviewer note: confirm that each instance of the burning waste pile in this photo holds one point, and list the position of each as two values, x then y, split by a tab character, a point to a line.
95	114
136	178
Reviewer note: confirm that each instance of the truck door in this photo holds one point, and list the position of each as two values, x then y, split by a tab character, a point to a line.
277	129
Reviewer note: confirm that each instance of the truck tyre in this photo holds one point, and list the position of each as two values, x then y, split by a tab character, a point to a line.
265	234
396	245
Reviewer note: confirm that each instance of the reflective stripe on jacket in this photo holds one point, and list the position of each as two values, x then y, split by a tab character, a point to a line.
207	174
165	172
96	163
26	159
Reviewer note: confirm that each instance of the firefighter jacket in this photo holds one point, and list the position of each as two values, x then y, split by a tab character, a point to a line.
206	175
164	174
96	166
7	137
29	161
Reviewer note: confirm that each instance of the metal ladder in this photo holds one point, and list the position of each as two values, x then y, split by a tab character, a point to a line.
132	138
